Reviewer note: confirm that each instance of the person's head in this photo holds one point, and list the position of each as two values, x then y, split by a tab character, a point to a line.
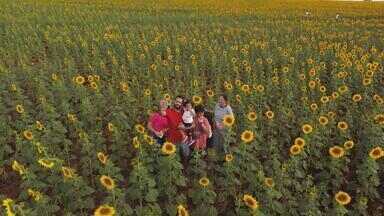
223	100
163	107
199	109
187	105
178	102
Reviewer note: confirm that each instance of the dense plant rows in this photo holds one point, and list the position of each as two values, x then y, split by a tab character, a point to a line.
78	80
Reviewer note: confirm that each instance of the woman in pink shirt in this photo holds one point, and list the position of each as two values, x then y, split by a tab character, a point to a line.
202	130
158	123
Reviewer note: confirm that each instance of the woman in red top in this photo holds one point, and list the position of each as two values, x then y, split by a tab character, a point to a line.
202	129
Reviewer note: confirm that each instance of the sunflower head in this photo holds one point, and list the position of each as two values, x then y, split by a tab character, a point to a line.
67	172
307	128
300	142
247	136
210	93
79	80
104	210
379	119
204	181
323	120
342	125
181	211
250	201
196	100
46	163
19	108
102	157
342	198
269	114
349	144
228	120
228	157
252	116
295	149
140	128
28	135
107	182
376	153
336	152
168	148
356	97
269	182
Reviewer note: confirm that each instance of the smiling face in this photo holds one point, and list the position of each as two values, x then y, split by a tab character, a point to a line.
222	102
178	103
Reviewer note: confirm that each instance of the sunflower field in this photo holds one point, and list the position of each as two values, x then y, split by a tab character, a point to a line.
79	78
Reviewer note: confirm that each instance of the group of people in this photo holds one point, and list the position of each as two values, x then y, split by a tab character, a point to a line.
188	127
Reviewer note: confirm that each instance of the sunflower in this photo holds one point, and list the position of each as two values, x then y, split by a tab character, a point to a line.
349	144
107	182
228	157
140	128
342	125
181	211
269	114
67	172
367	81
149	139
136	142
46	163
245	88
269	182
28	135
16	166
336	152
13	87
376	153
238	82
335	95
167	97
93	85
356	97
295	149
19	108
323	120
124	86
90	78
102	157
147	92
196	99
300	142
204	181
39	125
228	86
342	198
379	119
250	201
324	99
7	203
79	79
71	117
313	106
343	89
110	127
331	114
312	84
228	120
104	210
247	136
36	195
260	88
168	148
251	116
210	93
307	128
285	69
322	89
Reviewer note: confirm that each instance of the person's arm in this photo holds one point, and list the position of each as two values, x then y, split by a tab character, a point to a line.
206	126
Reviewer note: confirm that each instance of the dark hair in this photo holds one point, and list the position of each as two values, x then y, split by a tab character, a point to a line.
180	96
225	97
199	109
186	101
